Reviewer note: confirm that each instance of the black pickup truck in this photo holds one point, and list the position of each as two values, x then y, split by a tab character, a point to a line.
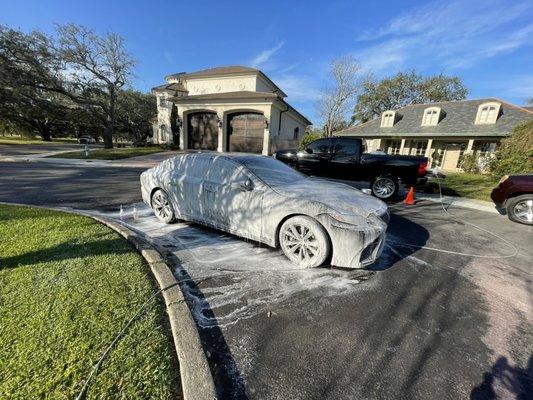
343	158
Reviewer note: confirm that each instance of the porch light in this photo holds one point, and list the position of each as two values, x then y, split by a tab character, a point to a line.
219	121
179	122
266	123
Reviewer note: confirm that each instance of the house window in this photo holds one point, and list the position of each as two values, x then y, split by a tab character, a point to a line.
488	113
431	116
296	131
483	149
394	147
419	148
388	119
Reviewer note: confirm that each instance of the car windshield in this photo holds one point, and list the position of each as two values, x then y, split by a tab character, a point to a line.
271	171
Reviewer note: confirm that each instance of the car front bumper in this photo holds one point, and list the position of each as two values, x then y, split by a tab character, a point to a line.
355	246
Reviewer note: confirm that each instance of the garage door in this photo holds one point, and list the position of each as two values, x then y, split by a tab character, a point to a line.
245	132
202	129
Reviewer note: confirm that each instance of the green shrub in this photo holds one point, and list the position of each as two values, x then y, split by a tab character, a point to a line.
470	164
309	137
515	154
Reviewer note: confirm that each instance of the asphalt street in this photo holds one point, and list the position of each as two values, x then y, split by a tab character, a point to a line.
419	324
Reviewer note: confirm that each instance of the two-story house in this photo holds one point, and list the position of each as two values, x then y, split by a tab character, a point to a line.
226	109
444	131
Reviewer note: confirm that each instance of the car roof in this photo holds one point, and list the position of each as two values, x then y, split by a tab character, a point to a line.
239	157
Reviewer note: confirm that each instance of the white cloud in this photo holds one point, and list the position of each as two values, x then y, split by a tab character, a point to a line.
455	34
265	55
298	88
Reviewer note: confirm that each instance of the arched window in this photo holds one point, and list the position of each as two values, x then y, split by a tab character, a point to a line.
296	130
432	116
488	113
388	119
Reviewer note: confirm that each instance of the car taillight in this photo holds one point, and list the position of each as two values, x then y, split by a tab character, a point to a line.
422	167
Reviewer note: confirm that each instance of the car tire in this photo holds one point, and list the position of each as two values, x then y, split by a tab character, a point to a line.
520	209
385	187
162	206
304	242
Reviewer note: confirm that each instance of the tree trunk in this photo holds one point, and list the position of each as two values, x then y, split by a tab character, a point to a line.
46	136
110	119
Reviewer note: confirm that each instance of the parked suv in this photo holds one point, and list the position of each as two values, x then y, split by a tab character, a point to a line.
86	139
514	196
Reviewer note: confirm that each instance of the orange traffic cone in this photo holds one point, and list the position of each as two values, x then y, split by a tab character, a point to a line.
410	198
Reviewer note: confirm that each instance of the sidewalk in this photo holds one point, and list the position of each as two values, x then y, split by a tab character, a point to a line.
479	205
146	161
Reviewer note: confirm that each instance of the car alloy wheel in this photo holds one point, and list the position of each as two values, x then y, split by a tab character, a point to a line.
162	208
384	187
522	211
304	242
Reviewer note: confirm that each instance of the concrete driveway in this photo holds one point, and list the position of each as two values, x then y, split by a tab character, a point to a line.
419	324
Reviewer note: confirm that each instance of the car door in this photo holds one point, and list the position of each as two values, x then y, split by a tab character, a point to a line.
343	159
315	157
186	180
233	199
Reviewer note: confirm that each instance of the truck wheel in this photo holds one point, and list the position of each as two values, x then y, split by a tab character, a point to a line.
520	209
385	187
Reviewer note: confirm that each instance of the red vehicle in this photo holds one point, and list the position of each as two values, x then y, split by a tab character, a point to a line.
514	195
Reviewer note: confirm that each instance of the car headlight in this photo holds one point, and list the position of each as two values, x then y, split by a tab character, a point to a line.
504	178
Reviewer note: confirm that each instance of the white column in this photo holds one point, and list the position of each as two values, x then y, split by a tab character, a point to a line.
428	149
183	129
470	146
266	136
402	145
221	130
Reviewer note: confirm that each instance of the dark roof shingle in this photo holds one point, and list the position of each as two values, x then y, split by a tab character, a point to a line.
459	120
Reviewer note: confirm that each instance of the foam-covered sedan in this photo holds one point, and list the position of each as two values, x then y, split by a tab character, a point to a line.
314	221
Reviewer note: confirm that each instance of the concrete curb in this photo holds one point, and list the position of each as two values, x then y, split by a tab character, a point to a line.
472	204
196	378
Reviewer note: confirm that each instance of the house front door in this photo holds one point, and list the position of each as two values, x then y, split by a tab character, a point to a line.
451	157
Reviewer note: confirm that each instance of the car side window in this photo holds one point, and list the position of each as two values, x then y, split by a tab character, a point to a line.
343	147
195	165
223	171
320	146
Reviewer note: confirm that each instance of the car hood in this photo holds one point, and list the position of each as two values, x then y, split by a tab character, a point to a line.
337	196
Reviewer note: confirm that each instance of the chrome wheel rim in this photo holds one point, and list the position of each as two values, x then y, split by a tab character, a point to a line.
161	205
523	210
300	243
383	187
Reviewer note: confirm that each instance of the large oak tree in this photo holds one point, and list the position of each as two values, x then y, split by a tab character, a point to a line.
403	89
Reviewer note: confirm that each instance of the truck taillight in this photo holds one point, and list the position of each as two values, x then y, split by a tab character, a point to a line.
422	167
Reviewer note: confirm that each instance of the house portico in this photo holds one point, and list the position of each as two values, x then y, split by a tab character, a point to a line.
246	119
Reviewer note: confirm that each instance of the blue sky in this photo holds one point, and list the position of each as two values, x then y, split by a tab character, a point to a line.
488	43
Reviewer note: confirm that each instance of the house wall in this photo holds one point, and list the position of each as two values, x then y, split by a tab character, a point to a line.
442	152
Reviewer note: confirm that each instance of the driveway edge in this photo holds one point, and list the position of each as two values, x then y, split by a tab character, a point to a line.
196	378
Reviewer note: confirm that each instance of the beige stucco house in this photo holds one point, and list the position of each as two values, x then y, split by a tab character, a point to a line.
444	131
226	109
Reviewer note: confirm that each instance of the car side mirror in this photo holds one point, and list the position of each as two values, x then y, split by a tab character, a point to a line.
308	150
243	186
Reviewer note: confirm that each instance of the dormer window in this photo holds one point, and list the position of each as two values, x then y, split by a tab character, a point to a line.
432	116
488	113
388	119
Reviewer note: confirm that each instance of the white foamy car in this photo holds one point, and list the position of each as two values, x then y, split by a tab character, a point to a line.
314	221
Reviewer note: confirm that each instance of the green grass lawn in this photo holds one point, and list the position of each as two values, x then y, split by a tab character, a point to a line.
23	140
111	154
473	186
67	286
